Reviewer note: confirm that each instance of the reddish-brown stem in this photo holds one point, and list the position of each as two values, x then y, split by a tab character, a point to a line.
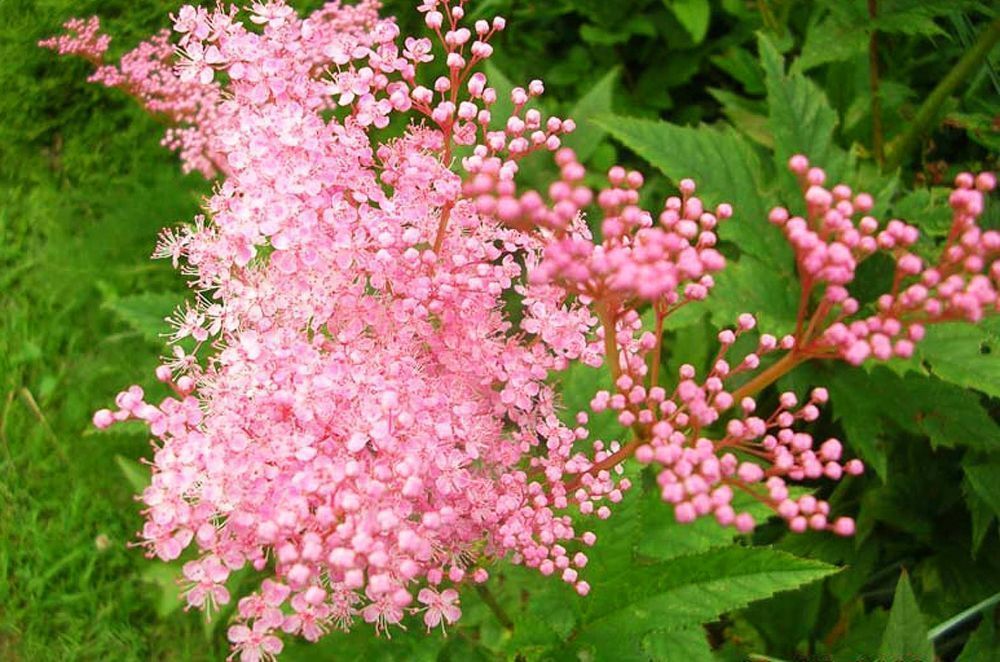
607	317
654	369
769	376
803	305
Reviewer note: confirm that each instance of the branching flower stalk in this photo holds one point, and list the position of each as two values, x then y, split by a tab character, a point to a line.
361	422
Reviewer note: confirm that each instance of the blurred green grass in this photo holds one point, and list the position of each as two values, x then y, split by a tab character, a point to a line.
85	188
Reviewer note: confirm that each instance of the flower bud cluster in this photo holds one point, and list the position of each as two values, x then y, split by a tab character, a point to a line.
669	260
830	242
698	470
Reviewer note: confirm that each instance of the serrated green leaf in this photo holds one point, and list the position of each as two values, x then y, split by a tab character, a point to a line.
917	17
577	386
694	15
724	166
802	119
662	537
863	637
689	644
964	354
146	312
905	636
688	590
134	472
787	619
595	103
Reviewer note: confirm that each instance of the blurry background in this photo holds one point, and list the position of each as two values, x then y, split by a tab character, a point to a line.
85	187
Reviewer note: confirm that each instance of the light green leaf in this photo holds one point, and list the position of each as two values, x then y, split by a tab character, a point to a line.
694	15
662	537
595	103
577	386
742	66
165	577
905	636
498	80
769	290
725	167
134	472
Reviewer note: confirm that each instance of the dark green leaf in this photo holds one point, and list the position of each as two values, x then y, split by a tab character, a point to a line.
984	478
595	103
725	168
984	644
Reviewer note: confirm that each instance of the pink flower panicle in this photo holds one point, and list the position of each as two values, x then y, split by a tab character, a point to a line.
829	244
356	416
83	38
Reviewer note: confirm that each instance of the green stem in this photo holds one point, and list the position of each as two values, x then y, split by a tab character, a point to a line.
878	139
487	596
962	70
961	617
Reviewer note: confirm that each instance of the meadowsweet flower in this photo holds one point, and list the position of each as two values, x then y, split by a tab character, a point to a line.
440	607
830	242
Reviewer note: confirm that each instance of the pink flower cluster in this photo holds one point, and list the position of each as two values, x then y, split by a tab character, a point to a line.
355	414
829	243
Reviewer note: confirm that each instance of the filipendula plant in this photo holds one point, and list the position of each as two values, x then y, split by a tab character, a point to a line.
357	415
